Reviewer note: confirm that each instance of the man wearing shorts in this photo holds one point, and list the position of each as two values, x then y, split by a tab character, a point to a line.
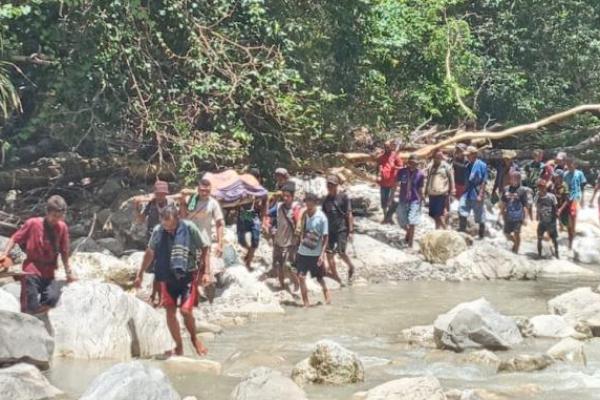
514	209
411	181
439	188
338	209
474	195
286	214
173	249
388	165
43	239
547	207
576	181
313	233
204	210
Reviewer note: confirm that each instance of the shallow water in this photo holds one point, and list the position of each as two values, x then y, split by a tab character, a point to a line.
368	320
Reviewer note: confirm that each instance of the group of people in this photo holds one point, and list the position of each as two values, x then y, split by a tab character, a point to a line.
307	234
555	187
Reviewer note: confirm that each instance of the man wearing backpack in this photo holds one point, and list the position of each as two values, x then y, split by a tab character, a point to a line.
204	210
338	209
173	249
286	214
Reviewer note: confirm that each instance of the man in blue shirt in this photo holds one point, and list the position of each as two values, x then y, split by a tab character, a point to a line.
472	198
576	181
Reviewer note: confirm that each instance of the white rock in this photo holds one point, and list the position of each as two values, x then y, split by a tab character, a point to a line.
475	325
420	388
96	320
191	365
24	339
131	381
556	268
578	305
421	335
25	382
329	363
441	245
587	250
551	326
98	266
568	350
267	384
8	302
482	357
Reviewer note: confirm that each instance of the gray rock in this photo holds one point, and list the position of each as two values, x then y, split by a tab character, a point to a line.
568	350
115	246
440	245
24	339
329	363
420	388
475	325
482	357
551	326
86	245
8	302
526	363
267	384
109	191
95	320
131	381
25	382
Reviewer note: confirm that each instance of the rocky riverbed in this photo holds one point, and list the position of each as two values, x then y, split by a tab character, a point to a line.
453	318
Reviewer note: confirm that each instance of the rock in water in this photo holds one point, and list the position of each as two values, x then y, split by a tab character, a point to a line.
191	365
562	268
421	335
89	266
8	302
24	339
568	350
526	363
482	357
96	320
439	246
587	250
25	382
475	325
329	363
551	326
266	384
421	388
580	305
131	381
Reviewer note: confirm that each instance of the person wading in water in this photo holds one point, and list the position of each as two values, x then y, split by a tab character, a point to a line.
42	239
173	249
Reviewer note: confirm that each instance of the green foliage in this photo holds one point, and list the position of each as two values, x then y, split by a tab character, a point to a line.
211	83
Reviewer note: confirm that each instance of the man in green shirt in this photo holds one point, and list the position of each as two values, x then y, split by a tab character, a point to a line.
173	249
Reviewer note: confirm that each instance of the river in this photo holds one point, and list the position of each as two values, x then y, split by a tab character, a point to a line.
368	320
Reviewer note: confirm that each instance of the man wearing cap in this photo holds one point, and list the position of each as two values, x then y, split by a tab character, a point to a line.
504	169
43	239
472	199
204	210
411	181
439	188
282	177
151	215
459	166
338	209
514	208
388	163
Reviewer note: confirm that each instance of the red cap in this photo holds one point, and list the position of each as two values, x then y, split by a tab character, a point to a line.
161	187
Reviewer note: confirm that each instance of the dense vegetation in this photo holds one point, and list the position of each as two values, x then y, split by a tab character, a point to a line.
215	82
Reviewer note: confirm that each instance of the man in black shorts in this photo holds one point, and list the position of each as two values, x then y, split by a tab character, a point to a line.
547	214
514	206
338	210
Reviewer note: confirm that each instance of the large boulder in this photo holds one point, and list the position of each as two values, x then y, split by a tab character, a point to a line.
485	261
475	325
8	302
551	326
562	268
131	381
25	382
441	245
95	320
587	250
365	198
568	350
109	191
420	388
580	305
104	267
329	363
24	338
266	384
526	363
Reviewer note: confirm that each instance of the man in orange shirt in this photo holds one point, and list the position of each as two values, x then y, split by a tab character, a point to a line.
389	164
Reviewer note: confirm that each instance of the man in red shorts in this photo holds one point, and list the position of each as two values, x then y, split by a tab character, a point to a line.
173	248
42	239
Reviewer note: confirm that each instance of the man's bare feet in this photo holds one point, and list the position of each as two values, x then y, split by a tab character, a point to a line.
327	295
201	350
177	351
